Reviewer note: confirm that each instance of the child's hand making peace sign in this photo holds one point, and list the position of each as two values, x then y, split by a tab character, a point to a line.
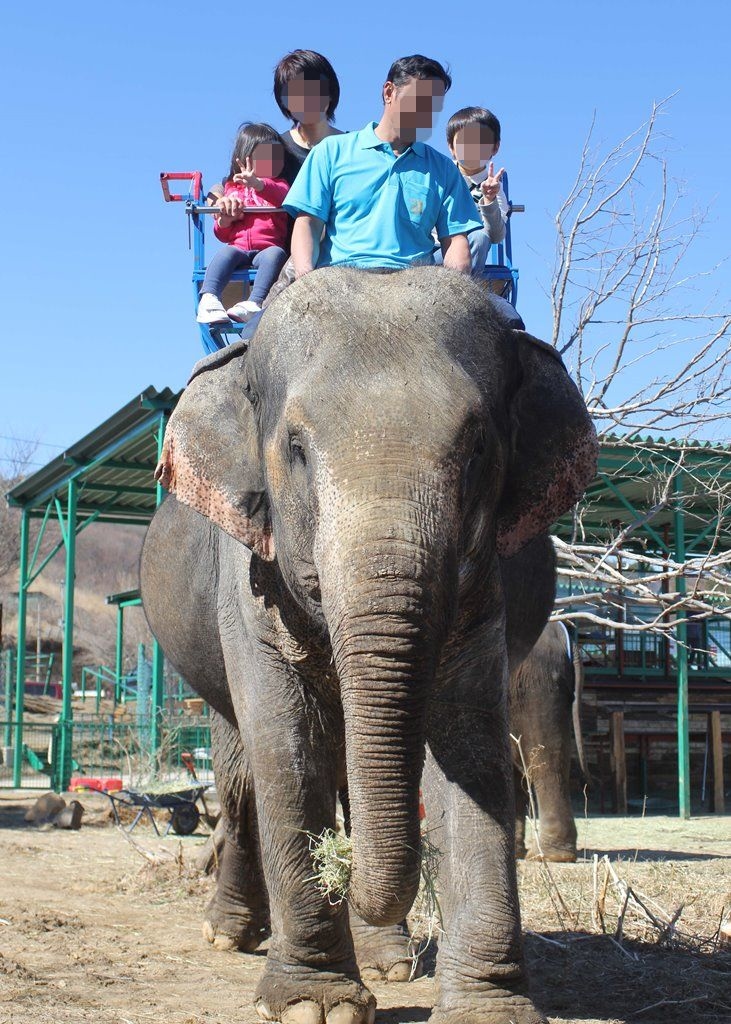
491	185
247	175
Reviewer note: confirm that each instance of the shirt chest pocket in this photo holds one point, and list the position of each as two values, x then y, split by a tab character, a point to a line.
417	204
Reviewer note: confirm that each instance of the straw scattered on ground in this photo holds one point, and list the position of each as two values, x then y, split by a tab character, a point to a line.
92	929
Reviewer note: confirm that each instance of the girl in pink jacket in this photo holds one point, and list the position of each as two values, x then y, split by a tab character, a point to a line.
256	240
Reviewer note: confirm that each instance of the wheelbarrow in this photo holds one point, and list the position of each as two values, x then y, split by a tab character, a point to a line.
181	803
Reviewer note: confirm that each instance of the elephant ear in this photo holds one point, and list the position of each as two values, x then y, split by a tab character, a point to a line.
210	458
553	449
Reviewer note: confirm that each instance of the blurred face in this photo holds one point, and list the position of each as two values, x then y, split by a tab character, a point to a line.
306	99
474	146
413	105
268	159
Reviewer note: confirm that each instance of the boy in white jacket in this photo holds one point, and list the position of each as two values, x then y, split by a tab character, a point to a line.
473	137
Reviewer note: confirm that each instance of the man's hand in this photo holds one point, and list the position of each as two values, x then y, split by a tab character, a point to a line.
456	253
491	185
306	236
247	175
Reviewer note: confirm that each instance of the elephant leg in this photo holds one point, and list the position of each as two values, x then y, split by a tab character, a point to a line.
557	828
238	915
470	809
521	810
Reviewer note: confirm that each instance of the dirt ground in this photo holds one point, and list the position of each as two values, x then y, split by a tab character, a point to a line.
92	931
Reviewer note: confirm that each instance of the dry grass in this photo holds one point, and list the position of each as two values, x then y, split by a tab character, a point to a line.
332	859
634	930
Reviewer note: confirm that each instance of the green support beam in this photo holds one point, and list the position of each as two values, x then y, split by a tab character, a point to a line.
119	654
66	722
158	658
681	636
8	679
636	515
20	661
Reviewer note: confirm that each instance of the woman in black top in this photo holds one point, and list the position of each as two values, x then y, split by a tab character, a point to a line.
307	91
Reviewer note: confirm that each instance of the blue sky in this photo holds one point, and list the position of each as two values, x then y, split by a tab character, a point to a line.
98	99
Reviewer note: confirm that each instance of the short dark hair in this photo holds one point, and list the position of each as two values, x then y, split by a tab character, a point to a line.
249	136
313	66
472	115
417	66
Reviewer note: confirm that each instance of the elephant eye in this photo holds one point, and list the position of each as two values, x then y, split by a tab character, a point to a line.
297	451
473	467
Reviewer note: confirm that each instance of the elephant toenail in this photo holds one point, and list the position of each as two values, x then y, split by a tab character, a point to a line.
304	1012
401	971
348	1013
263	1010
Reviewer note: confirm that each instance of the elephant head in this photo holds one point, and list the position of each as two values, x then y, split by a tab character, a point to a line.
383	439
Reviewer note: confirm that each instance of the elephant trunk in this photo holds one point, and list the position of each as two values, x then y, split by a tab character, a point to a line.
387	623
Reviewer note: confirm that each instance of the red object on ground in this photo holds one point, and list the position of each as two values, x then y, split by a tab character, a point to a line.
189	764
79	782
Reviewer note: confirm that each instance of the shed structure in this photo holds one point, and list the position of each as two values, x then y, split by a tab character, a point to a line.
667	498
105	477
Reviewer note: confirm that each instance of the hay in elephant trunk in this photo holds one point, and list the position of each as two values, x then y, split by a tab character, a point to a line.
332	859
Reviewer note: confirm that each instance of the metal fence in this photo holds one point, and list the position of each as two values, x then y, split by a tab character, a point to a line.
102	748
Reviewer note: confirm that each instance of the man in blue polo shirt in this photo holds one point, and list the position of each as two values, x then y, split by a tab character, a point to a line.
380	192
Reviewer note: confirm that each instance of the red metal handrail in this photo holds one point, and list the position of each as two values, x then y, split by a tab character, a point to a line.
173	197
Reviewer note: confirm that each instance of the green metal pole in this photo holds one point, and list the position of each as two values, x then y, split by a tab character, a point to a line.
681	636
118	657
20	660
158	658
68	639
8	680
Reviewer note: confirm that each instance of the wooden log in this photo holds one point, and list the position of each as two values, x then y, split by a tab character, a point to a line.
619	762
714	729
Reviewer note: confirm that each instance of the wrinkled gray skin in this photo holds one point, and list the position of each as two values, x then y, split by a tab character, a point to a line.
540	707
326	576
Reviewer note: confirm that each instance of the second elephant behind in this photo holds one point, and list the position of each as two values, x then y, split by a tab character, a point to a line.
544	703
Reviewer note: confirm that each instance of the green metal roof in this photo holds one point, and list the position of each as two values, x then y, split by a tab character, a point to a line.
632	481
113	465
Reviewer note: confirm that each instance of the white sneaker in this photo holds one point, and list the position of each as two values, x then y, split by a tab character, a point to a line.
210	310
243	311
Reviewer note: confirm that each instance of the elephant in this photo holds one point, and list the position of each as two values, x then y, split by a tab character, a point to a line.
544	698
325	573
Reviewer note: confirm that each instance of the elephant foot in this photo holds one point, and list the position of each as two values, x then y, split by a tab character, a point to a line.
229	926
554	854
297	994
499	1007
385	954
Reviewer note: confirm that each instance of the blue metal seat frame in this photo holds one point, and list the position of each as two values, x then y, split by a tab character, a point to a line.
499	266
499	270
